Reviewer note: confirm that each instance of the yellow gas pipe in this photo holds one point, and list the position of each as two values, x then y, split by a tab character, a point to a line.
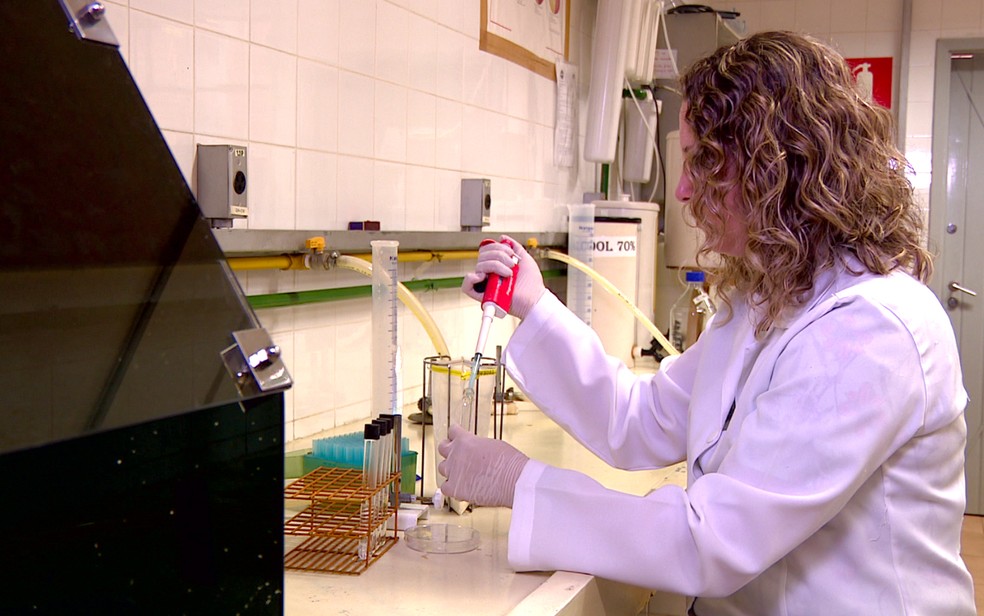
302	261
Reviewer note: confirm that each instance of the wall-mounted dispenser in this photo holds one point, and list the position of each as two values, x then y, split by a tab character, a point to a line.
222	183
476	204
607	76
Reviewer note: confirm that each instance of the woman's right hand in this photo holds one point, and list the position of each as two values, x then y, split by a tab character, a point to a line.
499	258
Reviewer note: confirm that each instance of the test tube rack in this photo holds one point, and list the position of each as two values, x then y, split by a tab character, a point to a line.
342	513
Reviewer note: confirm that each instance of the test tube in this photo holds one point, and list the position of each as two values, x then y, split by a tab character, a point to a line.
384	454
387	470
397	421
369	478
385	437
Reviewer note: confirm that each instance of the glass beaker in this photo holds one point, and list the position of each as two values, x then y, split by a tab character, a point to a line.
448	379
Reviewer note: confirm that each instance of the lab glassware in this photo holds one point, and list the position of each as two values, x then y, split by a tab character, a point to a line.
385	338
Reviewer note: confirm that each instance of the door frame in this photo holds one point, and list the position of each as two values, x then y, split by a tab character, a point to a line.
940	148
939	205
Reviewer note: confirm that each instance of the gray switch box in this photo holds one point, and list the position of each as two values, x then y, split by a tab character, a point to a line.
476	203
222	183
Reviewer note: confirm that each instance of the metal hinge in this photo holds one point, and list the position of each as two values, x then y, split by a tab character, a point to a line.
88	21
254	362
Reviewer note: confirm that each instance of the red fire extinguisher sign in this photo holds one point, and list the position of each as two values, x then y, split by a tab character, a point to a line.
874	78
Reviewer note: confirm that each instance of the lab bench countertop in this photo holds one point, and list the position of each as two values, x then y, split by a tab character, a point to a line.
407	582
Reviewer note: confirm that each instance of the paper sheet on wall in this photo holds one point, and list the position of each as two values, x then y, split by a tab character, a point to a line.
538	26
665	65
565	128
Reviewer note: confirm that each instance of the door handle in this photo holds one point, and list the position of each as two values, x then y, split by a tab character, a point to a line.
956	286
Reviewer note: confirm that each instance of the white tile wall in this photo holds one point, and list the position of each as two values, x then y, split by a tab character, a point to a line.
390	122
777	14
450	68
162	62
392	43
317	106
812	16
850	44
317	30
317	190
229	17
314	361
377	109
357	36
451	13
958	15
448	134
272	96
422	61
273	23
272	186
177	10
118	15
182	149
221	86
421	132
421	193
847	16
884	16
355	189
390	195
356	104
927	16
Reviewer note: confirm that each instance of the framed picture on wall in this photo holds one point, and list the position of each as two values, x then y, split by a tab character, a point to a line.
532	33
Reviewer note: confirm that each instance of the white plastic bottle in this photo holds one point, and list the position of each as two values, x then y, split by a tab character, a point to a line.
690	312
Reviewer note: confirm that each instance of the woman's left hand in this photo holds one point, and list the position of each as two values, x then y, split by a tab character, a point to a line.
479	470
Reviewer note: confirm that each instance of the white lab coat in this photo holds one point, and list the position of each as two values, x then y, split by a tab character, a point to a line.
836	487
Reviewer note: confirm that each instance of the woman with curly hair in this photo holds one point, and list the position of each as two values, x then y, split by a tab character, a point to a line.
820	413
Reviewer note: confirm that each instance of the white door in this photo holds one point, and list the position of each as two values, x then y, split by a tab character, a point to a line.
956	224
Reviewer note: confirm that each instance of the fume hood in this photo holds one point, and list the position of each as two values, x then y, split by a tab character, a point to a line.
141	450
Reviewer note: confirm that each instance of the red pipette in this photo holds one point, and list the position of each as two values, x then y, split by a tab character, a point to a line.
496	300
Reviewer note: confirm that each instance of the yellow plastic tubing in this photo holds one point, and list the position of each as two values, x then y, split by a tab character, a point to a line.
406	296
608	286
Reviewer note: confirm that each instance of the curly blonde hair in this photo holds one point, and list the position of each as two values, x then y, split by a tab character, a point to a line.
818	175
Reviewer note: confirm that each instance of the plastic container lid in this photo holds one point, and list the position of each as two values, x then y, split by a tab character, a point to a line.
442	538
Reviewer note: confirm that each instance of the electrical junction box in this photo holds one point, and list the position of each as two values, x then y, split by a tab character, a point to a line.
476	203
222	183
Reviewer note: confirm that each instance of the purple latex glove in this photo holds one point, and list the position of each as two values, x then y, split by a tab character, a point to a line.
499	258
479	470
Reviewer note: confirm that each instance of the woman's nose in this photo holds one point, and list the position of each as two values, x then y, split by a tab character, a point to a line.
685	188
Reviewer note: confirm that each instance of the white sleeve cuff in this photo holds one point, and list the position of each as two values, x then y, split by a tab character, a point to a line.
521	524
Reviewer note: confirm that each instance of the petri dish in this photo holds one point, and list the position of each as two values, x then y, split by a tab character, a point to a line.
442	538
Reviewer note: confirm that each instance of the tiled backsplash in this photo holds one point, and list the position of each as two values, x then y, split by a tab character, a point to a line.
376	109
